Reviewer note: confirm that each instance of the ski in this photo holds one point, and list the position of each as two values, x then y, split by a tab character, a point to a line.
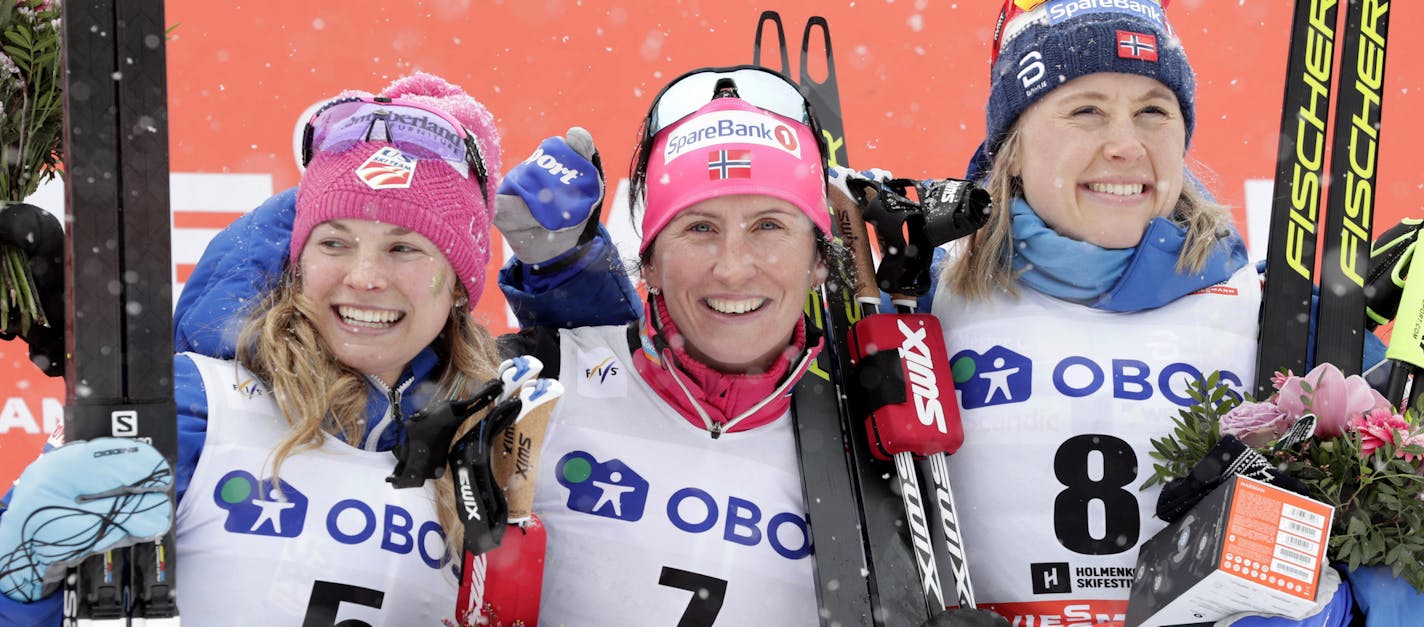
1295	204
119	379
819	414
1349	208
848	494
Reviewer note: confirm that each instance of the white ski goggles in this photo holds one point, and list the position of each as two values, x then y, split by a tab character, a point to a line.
756	85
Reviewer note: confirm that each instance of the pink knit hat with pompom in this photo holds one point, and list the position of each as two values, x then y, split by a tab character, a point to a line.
440	203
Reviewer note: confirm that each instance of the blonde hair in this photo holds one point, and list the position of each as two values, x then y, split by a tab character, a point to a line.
984	263
319	395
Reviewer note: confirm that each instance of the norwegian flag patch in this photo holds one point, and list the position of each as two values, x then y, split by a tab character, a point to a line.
389	168
1140	46
729	164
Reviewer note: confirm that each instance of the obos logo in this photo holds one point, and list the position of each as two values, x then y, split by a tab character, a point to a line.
613	490
257	508
1000	376
603	375
996	377
609	489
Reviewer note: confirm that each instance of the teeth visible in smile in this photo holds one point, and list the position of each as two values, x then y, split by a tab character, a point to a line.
367	317
735	306
1116	189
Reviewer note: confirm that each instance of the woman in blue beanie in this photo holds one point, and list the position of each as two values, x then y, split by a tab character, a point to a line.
1105	280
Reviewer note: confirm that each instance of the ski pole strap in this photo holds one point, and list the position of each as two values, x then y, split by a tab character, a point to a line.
423	452
1390	256
926	419
932	213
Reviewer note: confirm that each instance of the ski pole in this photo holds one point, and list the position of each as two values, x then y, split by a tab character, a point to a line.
948	211
1405	350
860	579
853	233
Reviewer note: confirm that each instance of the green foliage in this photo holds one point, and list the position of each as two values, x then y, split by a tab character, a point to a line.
31	134
30	79
1378	499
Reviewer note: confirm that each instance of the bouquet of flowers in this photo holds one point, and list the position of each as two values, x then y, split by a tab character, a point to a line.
1364	458
31	126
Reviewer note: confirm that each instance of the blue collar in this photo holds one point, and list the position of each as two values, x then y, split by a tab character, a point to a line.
1119	280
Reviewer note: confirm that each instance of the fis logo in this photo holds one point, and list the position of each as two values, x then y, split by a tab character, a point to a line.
609	489
601	371
602	374
918	365
250	387
258	508
996	377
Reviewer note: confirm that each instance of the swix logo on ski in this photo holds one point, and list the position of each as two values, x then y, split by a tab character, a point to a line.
602	374
921	376
1000	376
260	508
611	489
723	127
1068	9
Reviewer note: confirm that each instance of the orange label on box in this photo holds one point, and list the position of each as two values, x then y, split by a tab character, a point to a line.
1275	538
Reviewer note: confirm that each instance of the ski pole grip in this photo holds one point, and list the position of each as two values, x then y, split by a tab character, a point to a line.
925	420
850	221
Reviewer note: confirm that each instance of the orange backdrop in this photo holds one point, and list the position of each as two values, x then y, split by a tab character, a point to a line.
913	78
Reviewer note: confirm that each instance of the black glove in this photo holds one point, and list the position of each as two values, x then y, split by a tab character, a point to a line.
1389	266
1228	458
965	617
38	235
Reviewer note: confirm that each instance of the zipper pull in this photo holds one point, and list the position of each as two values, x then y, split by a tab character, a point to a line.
715	430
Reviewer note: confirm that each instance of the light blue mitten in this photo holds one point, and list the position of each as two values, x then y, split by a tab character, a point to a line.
77	500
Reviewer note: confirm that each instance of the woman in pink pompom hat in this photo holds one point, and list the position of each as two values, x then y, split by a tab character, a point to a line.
284	511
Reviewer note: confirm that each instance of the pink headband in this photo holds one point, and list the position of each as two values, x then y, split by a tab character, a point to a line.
729	147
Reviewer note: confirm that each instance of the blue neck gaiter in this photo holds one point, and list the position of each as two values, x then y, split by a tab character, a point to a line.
1059	266
1121	280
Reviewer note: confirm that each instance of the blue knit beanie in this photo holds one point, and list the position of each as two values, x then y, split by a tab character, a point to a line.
1040	45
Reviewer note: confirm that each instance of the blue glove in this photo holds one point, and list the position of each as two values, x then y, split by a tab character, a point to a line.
1333	608
1386	600
550	203
78	500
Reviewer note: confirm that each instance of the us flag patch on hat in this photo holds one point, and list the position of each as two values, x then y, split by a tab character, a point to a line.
1140	46
388	168
729	164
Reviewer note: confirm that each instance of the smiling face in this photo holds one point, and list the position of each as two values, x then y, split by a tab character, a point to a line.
381	293
734	272
1101	156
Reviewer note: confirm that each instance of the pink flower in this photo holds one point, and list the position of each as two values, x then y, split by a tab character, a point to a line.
1378	428
1334	398
1256	424
1416	439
